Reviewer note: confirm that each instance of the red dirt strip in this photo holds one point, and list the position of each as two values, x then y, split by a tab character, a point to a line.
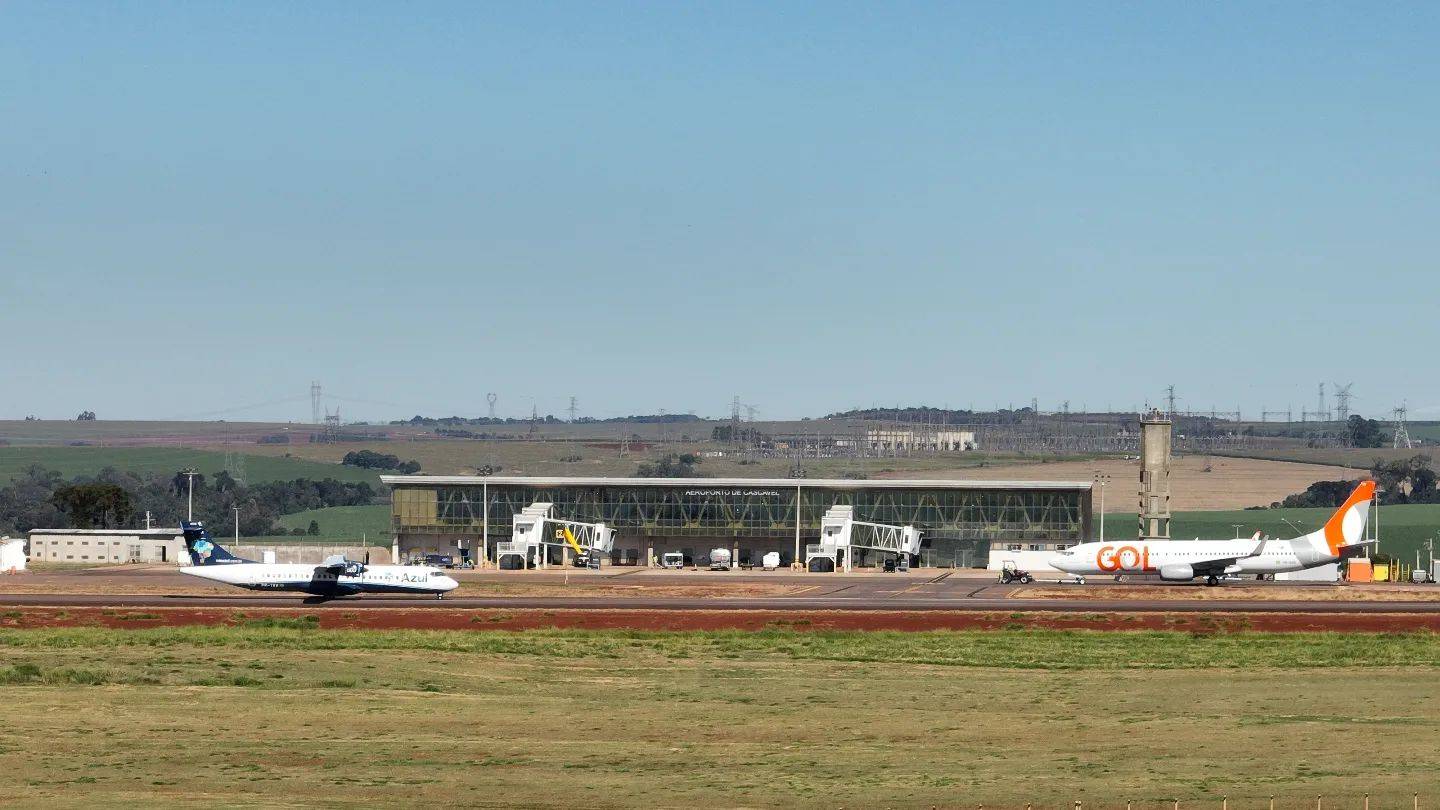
750	620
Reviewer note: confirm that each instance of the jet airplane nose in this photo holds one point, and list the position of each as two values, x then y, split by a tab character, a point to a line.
1059	562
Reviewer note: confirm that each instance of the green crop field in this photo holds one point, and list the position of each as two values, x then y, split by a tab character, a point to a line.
273	713
1402	528
73	461
1429	431
345	522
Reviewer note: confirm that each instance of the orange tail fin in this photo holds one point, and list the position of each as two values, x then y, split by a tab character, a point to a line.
1347	526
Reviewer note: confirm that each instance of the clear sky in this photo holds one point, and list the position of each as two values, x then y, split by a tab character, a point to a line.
204	206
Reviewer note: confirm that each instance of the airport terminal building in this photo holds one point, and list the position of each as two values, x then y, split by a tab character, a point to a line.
466	516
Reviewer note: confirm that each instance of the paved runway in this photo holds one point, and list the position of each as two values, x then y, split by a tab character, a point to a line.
794	603
925	590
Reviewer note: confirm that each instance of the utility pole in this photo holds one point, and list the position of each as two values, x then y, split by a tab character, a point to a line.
734	423
1102	479
237	524
190	496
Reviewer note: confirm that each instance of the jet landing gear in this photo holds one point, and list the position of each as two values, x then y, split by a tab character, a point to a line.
1212	580
439	596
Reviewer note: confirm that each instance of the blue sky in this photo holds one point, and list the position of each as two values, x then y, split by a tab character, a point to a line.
653	206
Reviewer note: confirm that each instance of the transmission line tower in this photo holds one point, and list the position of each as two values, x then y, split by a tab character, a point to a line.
1170	399
572	409
1342	401
1402	433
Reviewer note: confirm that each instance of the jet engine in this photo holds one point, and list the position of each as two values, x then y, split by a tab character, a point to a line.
1177	572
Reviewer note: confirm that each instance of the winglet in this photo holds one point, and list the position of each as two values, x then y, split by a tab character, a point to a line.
1259	547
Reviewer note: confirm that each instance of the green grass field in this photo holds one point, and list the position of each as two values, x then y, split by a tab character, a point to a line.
345	522
73	461
273	714
1402	528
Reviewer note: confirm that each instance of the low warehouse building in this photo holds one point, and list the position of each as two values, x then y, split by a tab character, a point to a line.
79	546
466	516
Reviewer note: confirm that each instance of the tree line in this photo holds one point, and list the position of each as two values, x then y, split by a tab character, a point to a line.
112	499
371	460
1409	480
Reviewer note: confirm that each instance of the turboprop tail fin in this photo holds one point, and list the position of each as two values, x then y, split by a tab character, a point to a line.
203	550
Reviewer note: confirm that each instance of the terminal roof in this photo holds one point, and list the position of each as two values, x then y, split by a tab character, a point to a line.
723	483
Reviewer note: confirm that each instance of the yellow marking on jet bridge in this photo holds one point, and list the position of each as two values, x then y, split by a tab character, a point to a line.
570	538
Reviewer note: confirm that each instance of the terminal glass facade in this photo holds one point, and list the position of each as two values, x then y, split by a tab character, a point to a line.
946	514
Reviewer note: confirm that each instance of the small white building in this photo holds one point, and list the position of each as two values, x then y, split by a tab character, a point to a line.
12	555
82	546
1033	556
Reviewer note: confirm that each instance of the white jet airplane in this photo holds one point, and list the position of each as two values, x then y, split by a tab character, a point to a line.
336	576
1179	561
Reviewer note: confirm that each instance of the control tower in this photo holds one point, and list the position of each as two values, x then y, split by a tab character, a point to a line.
1155	476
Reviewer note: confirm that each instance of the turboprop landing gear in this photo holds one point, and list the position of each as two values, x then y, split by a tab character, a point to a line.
1212	580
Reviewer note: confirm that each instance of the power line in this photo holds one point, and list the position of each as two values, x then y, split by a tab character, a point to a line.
234	409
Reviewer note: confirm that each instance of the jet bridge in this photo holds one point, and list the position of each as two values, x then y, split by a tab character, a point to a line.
841	534
534	528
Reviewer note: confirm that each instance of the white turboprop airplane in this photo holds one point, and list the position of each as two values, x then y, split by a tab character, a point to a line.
336	576
1179	561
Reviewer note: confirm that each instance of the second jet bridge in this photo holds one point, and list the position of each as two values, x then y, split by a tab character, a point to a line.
534	528
841	535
